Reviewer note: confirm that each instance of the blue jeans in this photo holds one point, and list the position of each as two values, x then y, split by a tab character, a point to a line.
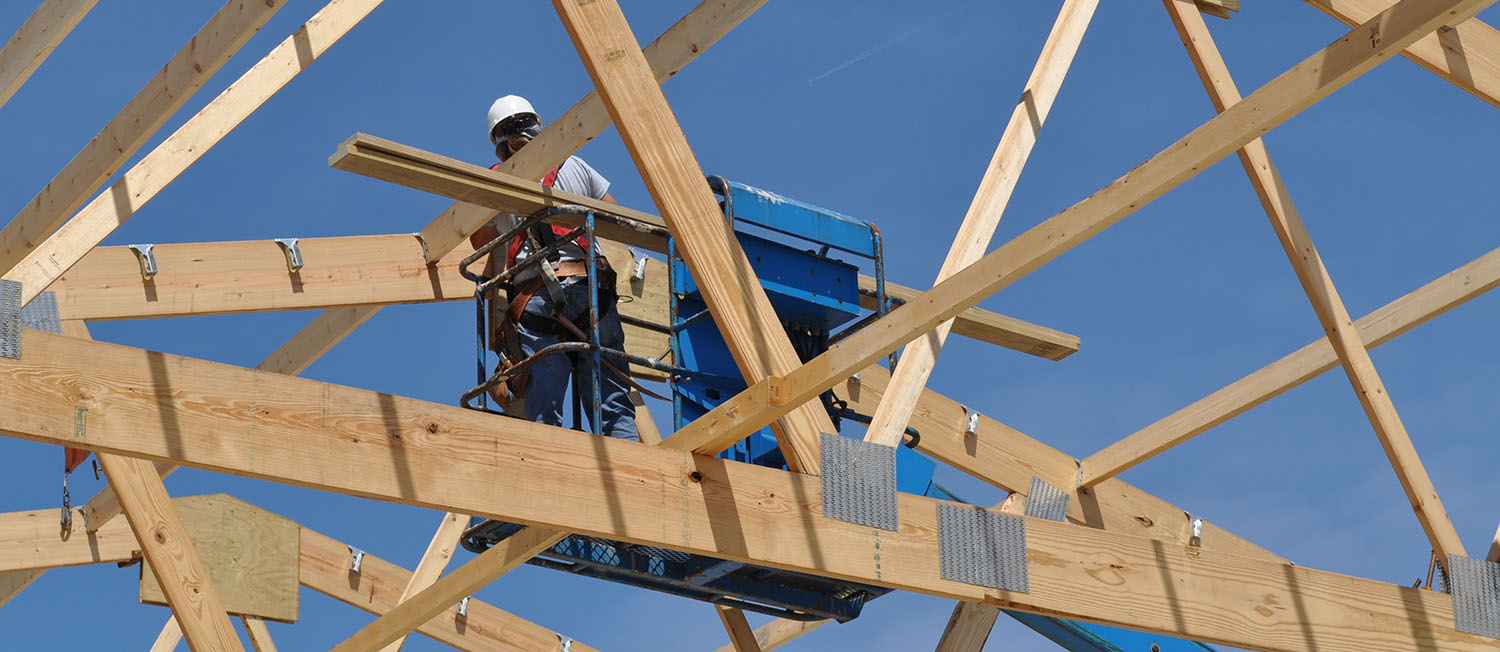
550	375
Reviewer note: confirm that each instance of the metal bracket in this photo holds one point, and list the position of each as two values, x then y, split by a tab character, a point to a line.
10	319
971	421
356	557
463	607
638	270
292	252
146	258
1046	501
426	253
41	314
859	482
1195	539
981	547
1475	586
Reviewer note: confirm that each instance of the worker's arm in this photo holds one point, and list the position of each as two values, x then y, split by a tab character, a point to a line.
609	198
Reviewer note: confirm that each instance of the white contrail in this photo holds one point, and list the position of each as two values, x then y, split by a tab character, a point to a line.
903	36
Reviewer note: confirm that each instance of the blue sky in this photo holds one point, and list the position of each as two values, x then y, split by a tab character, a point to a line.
888	113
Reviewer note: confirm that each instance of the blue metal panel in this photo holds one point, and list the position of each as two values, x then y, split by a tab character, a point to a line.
1088	637
803	287
794	218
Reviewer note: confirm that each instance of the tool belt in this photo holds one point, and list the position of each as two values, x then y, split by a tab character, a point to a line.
507	316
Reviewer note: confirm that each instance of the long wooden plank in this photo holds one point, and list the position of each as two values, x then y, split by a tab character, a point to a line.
54	256
1395	318
166	545
741	637
1301	86
447	591
169	637
379	583
986	209
259	634
408	166
1318	284
448	458
779	632
1466	53
434	560
698	29
32	541
184	73
742	312
35	41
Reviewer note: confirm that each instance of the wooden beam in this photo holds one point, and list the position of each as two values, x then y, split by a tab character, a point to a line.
779	632
13	583
1321	292
165	407
1306	83
742	312
170	636
1494	554
204	54
434	560
414	168
741	637
1466	53
32	541
260	636
165	544
700	28
986	209
379	583
1395	318
448	590
35	41
54	256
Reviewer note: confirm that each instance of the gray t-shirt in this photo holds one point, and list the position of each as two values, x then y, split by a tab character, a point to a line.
573	176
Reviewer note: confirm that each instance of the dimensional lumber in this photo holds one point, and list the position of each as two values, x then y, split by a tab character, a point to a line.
1466	53
1395	318
49	260
986	209
439	552
31	541
741	637
260	636
699	28
204	54
530	473
375	589
465	580
1321	292
1296	89
35	41
15	582
779	632
170	636
166	544
408	166
250	554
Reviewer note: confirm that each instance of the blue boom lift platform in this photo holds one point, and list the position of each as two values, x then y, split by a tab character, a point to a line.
817	298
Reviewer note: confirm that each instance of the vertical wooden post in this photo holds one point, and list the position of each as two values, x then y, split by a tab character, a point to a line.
439	552
739	305
740	634
1320	290
985	211
260	637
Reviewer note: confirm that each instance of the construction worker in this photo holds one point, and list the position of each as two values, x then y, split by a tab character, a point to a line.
535	317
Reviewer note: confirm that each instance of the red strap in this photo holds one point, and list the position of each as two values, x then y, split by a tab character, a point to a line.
515	244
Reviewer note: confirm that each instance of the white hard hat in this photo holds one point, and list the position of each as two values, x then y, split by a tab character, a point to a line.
509	107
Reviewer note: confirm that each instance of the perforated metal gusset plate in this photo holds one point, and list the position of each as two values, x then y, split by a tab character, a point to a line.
1046	501
41	313
1476	595
977	546
859	482
10	319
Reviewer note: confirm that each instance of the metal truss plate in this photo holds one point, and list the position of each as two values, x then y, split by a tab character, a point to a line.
1046	501
10	319
859	482
1476	595
977	546
41	313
